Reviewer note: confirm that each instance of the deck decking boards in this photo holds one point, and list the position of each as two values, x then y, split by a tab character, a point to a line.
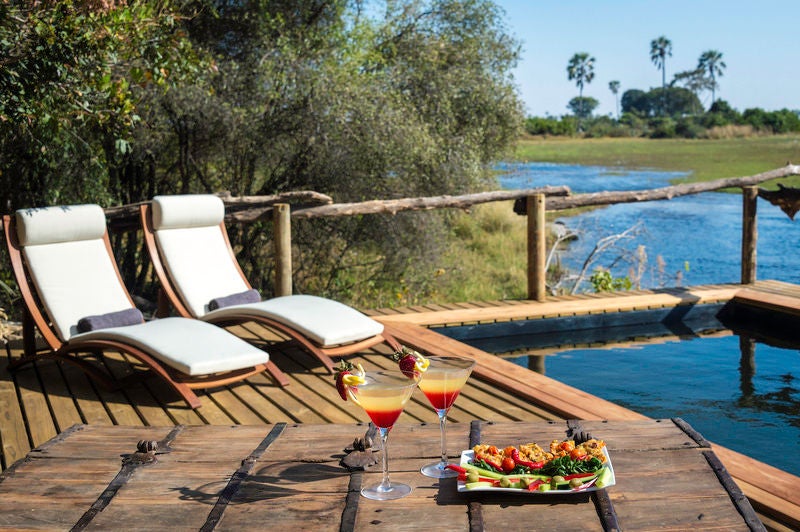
45	398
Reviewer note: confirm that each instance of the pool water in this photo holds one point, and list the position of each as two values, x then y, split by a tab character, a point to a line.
730	371
755	411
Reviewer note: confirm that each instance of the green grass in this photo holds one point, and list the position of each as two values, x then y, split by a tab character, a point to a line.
705	159
487	258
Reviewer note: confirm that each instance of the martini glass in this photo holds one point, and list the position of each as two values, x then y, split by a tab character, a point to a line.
382	395
441	384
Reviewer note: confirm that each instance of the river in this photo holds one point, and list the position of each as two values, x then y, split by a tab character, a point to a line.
698	237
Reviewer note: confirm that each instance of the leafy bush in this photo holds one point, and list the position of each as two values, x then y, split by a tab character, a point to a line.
603	281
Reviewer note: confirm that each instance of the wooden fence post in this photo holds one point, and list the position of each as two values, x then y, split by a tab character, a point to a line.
749	234
282	242
537	247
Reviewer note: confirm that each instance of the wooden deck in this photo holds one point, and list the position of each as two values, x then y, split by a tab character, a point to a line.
44	399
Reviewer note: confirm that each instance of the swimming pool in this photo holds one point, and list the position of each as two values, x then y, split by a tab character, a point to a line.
736	390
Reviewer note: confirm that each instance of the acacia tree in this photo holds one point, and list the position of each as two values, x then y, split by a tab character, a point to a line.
660	49
72	76
712	63
581	69
694	80
583	106
317	94
613	86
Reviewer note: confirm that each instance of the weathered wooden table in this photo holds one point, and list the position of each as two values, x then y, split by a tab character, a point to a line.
288	477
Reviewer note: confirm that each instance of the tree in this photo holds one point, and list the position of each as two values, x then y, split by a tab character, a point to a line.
613	86
637	102
711	61
693	80
673	101
581	69
116	104
71	81
660	48
583	106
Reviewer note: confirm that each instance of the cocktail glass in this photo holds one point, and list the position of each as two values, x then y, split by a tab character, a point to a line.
441	384
382	395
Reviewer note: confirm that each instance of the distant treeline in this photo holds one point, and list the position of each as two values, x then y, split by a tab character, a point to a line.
667	113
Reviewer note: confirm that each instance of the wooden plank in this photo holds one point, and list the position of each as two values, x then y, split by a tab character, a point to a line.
781	486
147	407
64	411
560	307
770	301
13	435
34	403
84	391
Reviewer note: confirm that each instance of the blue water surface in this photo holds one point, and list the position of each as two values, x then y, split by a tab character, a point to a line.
700	381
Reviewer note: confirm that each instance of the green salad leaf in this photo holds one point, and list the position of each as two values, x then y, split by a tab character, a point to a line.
567	466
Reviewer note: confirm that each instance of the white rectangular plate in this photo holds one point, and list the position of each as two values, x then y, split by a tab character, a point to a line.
468	455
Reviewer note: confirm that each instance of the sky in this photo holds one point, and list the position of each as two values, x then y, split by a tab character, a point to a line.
758	39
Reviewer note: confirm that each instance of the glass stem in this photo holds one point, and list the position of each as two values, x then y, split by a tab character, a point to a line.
443	428
385	485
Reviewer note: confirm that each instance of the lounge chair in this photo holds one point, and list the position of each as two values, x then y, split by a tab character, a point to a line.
74	295
201	278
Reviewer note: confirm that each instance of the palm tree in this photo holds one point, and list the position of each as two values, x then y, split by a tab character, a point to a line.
613	86
711	62
581	69
659	50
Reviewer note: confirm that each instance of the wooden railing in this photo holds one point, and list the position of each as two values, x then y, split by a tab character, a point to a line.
534	203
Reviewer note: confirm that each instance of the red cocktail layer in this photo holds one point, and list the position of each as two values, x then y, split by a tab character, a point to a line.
441	400
384	418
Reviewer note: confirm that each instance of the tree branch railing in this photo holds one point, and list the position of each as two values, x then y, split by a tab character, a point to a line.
530	202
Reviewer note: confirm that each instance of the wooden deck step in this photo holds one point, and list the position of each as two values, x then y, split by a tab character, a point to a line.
770	300
557	307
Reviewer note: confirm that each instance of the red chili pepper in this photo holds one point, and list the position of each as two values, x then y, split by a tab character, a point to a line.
492	461
455	467
533	486
529	465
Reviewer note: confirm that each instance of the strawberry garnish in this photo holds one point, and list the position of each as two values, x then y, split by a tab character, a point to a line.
408	365
411	363
348	375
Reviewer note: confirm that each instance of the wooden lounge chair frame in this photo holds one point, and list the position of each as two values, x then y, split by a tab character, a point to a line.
170	296
35	317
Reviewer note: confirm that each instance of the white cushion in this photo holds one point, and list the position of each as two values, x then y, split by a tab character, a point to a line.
324	321
51	225
199	262
190	210
75	280
192	347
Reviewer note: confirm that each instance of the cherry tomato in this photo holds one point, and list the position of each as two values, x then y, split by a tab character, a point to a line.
508	464
578	453
566	446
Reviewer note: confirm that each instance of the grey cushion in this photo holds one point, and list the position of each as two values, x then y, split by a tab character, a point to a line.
120	318
241	298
